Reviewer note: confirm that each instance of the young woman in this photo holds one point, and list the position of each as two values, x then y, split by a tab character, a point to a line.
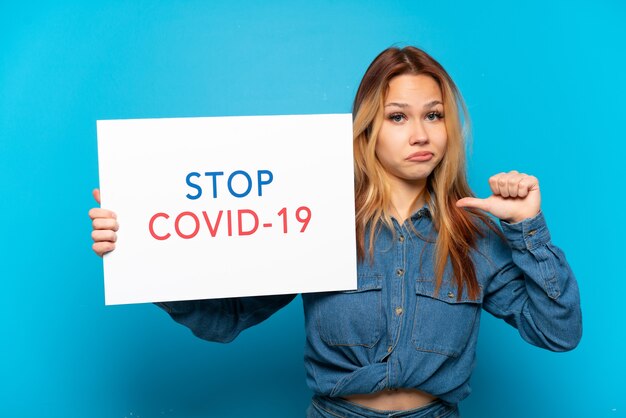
403	344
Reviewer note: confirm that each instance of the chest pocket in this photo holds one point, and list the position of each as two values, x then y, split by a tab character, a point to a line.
442	324
352	317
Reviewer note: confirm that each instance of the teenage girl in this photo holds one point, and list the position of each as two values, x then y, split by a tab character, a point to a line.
430	259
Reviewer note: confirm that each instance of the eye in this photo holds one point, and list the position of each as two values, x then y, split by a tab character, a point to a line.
396	117
433	116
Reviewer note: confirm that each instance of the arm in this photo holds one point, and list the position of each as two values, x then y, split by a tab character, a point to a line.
534	288
221	320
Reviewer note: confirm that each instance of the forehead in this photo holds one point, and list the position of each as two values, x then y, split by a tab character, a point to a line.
413	88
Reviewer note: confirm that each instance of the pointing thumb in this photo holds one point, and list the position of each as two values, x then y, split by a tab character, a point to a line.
473	202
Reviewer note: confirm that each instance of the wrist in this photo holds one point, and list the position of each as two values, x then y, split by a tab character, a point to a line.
520	217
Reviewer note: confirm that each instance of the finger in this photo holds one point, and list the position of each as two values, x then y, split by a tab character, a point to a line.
102	248
503	185
101	213
105	223
513	182
528	184
96	195
494	183
103	235
473	202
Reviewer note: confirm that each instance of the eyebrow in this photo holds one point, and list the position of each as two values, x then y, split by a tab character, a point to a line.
428	105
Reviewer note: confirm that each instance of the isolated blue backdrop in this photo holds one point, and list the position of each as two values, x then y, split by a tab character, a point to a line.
544	82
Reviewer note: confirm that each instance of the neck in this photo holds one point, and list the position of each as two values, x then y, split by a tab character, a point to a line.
406	198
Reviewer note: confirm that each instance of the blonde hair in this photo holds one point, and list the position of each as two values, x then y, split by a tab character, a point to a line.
457	228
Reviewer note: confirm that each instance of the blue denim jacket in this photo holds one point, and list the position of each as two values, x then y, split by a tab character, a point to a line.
393	331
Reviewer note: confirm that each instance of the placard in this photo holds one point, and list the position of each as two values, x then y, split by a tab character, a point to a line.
228	206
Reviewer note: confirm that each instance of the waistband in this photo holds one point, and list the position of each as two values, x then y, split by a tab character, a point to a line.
327	407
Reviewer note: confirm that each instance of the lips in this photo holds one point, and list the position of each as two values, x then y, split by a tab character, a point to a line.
420	156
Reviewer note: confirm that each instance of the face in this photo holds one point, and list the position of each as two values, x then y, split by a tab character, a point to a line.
412	139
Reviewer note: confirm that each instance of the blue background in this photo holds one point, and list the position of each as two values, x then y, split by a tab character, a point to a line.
544	82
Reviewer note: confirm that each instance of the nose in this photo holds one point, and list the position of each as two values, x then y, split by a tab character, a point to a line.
419	136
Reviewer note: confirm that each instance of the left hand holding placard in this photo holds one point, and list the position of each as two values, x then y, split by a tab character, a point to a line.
104	224
515	197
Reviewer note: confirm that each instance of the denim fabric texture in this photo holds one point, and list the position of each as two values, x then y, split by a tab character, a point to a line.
325	407
395	331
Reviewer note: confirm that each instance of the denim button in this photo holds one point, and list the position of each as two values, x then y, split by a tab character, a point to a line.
399	272
401	238
532	232
389	349
450	295
399	310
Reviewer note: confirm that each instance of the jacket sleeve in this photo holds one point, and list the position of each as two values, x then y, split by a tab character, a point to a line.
221	320
533	287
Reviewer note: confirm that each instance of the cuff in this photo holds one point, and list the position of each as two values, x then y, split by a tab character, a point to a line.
527	234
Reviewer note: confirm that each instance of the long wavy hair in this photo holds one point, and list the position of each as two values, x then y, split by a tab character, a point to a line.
457	228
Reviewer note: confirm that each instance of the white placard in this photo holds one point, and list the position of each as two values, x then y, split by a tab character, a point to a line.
228	206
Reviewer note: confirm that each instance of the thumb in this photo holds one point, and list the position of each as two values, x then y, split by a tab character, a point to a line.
96	195
473	202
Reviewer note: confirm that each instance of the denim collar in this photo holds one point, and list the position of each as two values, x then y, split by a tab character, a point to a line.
424	211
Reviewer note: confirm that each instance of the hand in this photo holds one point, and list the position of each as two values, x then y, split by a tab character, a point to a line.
105	225
515	197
